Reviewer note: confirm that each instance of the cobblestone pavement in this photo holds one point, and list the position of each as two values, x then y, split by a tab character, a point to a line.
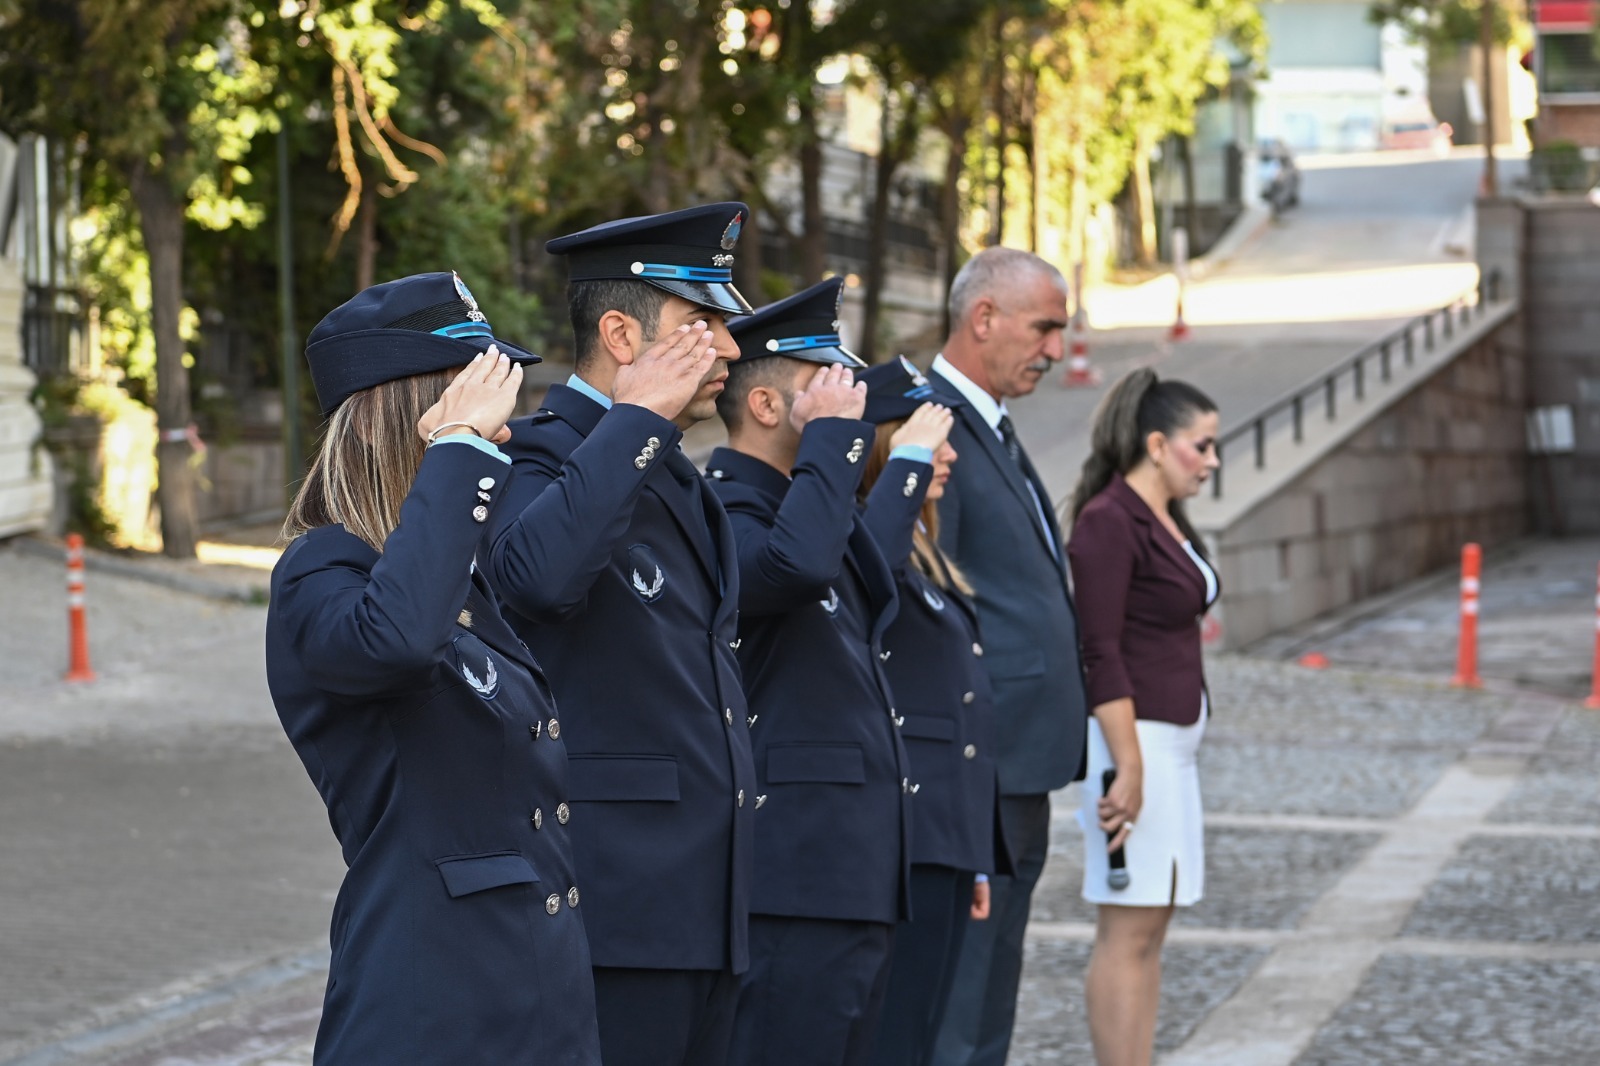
1388	882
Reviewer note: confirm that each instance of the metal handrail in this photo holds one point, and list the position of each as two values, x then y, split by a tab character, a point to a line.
1383	351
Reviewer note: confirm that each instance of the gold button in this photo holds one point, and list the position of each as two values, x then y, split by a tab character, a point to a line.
563	813
552	904
970	751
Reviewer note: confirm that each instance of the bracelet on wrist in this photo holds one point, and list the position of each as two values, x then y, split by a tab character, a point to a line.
438	431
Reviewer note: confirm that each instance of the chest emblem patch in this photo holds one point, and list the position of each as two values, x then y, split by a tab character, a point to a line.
933	599
831	604
645	575
486	686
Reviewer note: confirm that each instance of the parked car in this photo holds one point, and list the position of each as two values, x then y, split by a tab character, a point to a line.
1427	134
1279	177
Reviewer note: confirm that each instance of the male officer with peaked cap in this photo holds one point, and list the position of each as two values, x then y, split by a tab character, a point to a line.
815	597
636	627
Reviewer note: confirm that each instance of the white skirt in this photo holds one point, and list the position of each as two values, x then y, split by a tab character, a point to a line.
1165	853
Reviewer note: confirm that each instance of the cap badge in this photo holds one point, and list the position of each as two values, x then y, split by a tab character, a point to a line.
722	259
466	298
911	370
730	236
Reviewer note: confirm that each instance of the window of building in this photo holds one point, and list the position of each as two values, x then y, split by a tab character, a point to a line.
1567	63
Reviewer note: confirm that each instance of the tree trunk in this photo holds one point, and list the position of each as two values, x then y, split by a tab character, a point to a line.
747	263
1143	202
367	234
1191	210
950	205
1002	139
161	224
1036	166
878	232
813	243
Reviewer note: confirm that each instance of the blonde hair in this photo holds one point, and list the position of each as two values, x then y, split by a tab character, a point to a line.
926	555
368	458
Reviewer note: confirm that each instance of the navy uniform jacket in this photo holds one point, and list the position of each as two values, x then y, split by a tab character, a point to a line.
943	695
816	597
456	936
989	525
621	576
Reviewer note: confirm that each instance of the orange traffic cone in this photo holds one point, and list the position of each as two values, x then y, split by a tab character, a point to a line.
1180	328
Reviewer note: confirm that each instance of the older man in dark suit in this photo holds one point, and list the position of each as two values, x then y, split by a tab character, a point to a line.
1008	309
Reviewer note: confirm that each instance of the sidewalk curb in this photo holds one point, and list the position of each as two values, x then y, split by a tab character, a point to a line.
150	573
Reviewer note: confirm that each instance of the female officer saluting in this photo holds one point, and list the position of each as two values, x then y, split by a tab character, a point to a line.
424	723
946	709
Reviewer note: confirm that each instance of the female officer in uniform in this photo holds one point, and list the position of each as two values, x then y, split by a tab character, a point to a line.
942	693
424	723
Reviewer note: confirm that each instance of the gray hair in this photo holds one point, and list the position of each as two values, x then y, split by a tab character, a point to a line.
994	271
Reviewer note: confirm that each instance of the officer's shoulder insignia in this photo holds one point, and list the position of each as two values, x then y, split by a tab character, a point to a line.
933	598
831	604
645	574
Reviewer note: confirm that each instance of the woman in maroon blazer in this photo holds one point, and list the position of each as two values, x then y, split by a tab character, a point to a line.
1143	583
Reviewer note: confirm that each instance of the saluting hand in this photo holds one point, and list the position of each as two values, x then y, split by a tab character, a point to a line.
666	375
928	427
480	398
832	392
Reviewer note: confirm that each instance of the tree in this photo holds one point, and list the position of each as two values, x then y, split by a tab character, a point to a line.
162	93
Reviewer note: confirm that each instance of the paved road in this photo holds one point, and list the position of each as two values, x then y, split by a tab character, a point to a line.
1376	240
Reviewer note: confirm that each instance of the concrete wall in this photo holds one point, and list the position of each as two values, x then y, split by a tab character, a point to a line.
1442	464
25	470
1561	294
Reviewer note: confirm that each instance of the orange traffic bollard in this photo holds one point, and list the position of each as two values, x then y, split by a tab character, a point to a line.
1079	375
1467	650
77	624
1593	702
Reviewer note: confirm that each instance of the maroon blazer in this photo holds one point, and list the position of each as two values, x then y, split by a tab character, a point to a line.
1140	601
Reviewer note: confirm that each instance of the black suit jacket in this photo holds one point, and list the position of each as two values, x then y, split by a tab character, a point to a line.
457	936
620	574
816	597
989	524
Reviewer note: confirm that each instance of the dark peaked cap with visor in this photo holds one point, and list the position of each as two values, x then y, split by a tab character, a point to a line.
896	389
804	326
413	325
688	253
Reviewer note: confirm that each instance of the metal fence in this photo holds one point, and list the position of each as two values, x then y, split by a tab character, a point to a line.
1350	378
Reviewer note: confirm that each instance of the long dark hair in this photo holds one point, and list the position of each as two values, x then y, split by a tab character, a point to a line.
1135	407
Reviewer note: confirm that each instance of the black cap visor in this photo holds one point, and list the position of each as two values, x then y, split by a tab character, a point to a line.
714	295
344	364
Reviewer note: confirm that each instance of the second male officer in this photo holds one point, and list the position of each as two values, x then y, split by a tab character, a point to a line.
636	627
815	598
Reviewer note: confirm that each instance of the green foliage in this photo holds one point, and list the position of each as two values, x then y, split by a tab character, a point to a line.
1446	23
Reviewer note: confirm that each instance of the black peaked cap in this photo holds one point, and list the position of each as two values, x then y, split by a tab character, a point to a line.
804	326
688	253
413	325
897	388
